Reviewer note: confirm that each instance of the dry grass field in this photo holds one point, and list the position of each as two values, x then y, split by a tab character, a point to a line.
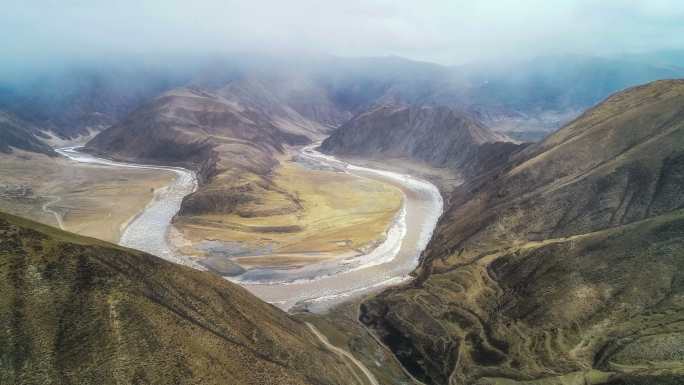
90	200
334	213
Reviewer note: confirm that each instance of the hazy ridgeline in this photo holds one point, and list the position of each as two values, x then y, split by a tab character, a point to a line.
520	95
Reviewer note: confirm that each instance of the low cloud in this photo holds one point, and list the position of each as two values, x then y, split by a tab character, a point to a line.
446	31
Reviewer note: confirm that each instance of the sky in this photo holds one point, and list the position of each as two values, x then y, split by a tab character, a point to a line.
441	31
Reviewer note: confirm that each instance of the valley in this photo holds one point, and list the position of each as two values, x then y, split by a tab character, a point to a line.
320	286
338	214
296	227
316	277
564	259
323	220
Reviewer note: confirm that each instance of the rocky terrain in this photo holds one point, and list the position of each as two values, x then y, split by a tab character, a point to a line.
562	265
77	310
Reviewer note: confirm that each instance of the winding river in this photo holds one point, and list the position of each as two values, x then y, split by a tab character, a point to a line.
315	287
148	231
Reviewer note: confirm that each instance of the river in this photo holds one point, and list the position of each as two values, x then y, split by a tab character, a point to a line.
148	231
318	286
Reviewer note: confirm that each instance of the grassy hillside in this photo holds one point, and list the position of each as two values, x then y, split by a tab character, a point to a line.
80	311
563	265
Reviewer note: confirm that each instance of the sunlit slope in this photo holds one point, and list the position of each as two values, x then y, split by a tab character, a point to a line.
566	259
77	310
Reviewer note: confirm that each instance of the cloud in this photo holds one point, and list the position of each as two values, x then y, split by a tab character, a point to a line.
444	31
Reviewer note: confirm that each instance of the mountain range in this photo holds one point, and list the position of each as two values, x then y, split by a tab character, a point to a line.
555	262
535	95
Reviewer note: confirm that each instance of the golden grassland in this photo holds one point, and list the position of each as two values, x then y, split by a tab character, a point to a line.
336	213
92	201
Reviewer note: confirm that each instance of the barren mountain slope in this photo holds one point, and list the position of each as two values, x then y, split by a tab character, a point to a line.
77	310
232	146
296	104
438	136
566	259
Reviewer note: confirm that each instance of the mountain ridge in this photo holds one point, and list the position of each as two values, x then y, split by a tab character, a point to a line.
524	95
563	260
78	310
232	147
436	135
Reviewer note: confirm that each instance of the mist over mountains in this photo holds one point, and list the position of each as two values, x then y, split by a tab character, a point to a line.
531	95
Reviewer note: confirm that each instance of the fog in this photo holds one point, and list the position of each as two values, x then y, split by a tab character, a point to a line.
50	32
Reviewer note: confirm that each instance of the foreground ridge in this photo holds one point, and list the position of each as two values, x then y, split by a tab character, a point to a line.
78	310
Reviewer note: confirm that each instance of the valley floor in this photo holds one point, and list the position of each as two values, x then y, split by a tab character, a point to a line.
85	199
334	214
339	214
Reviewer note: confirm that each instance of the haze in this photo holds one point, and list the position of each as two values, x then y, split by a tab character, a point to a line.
446	32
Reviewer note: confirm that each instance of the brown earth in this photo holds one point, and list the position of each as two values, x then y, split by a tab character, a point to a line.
561	262
90	200
232	147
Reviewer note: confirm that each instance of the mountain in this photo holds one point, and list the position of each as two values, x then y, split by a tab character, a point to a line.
233	143
536	95
78	99
561	82
527	98
662	58
562	265
439	136
78	310
18	134
543	93
295	105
